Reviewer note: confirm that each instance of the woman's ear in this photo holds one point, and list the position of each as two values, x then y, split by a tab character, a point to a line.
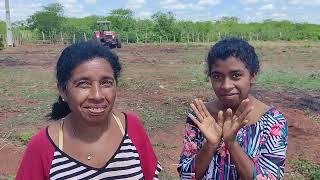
62	93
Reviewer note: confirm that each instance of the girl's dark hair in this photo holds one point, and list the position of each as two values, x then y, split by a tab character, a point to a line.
234	47
70	58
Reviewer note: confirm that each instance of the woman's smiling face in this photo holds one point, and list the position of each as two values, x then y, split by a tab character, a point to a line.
91	91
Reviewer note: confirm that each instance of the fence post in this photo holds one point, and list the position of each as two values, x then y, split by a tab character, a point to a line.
127	38
160	39
280	34
219	36
188	38
74	38
174	38
61	37
145	41
137	38
43	38
85	36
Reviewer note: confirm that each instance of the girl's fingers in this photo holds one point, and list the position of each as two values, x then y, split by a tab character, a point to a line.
228	115
243	123
204	108
242	107
194	119
194	108
199	107
244	114
220	118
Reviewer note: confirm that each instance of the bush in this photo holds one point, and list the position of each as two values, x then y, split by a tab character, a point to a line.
25	137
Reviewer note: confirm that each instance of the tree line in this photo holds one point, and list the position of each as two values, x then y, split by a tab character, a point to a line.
51	24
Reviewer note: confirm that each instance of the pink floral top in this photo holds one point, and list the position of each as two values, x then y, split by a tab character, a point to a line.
265	142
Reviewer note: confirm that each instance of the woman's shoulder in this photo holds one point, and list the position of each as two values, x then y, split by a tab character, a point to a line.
40	141
133	122
52	131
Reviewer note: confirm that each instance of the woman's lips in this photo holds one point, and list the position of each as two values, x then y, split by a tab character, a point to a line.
96	110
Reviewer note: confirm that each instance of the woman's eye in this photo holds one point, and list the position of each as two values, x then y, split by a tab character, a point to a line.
107	83
215	76
83	84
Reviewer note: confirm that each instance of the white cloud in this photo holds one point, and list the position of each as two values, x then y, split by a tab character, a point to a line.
135	4
267	7
144	14
175	5
67	1
284	8
247	9
73	8
249	1
19	11
280	15
91	1
208	2
304	2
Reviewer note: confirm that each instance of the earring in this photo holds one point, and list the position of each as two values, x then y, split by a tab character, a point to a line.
62	100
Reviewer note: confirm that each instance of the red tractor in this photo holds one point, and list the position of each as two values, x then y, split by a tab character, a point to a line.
105	36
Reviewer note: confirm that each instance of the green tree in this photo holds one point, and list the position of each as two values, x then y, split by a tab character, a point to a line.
48	20
122	20
165	24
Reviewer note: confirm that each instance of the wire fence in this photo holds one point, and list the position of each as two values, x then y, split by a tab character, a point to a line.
21	37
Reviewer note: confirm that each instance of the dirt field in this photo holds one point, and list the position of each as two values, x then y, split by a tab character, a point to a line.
159	82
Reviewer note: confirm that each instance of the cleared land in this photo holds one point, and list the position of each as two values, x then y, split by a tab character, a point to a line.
159	82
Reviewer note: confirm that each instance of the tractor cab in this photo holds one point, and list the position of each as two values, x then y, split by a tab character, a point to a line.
106	36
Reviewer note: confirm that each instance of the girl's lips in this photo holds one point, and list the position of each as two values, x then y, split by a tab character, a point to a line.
231	94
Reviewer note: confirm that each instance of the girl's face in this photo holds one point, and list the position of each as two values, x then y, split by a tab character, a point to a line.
231	81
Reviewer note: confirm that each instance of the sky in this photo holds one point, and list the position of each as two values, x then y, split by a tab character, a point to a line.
195	10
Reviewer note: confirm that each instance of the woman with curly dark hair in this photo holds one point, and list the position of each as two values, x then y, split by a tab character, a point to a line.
89	140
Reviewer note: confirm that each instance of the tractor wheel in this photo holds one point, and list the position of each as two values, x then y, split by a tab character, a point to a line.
118	43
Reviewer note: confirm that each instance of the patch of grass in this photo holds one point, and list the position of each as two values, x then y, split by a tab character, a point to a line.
7	177
168	100
313	116
155	116
271	79
164	175
165	146
307	46
27	84
308	169
191	79
138	84
25	137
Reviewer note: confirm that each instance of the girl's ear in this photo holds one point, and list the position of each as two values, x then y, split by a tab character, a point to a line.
253	79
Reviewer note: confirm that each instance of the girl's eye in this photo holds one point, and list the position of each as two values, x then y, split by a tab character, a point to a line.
236	75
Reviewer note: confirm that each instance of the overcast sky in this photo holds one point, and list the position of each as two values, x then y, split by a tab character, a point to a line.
196	10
